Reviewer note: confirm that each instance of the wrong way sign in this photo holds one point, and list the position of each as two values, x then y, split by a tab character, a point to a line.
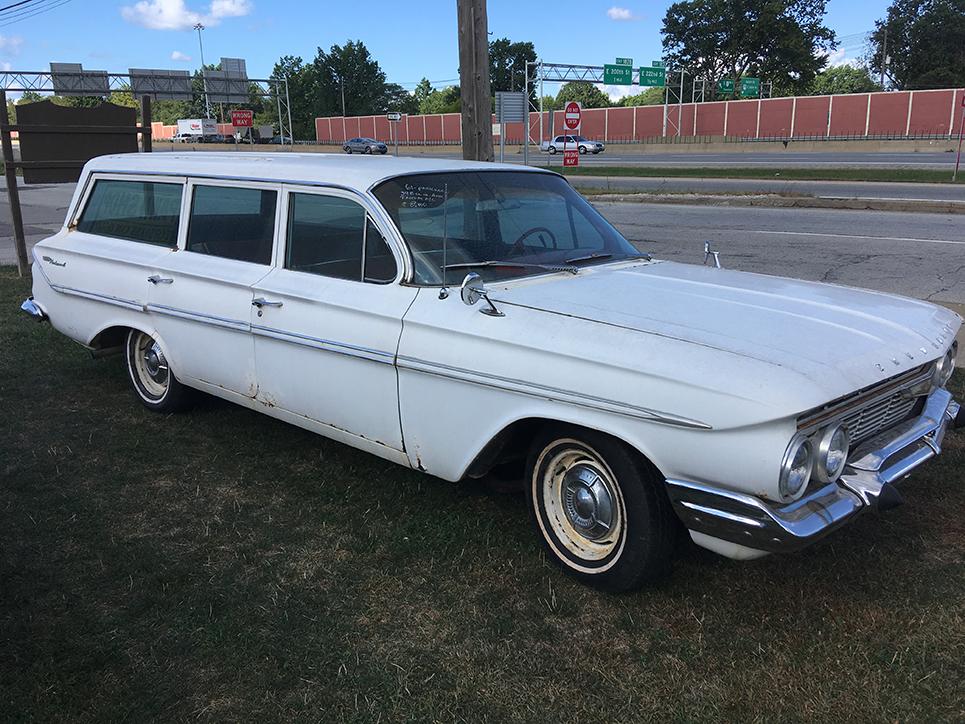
572	116
242	118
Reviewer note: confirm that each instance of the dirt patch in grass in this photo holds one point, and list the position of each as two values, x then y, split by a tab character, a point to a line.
220	565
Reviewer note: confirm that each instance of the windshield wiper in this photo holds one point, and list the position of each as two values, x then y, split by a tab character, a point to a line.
513	265
588	257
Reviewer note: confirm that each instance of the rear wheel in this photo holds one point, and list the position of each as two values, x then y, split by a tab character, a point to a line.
155	384
552	150
600	509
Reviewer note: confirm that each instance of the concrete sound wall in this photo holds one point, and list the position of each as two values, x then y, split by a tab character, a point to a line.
861	115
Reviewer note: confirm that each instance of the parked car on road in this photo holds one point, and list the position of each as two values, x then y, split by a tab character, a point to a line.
460	317
364	145
187	138
572	143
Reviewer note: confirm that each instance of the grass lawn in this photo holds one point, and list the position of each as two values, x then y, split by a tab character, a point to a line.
220	565
895	175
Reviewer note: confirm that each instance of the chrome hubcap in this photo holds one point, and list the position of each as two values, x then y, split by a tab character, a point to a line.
582	501
155	364
587	502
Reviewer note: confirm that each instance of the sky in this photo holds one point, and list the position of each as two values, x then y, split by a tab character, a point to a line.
409	40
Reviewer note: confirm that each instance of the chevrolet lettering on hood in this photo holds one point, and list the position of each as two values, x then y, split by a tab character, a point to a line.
455	317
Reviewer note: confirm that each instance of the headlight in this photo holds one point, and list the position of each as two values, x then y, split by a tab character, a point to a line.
797	466
946	365
832	453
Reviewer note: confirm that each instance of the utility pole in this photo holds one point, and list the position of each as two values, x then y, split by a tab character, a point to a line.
477	130
207	106
884	58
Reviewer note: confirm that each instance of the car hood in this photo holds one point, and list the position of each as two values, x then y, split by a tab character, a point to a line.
840	338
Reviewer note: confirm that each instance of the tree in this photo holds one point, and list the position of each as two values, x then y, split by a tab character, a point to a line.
507	65
784	41
842	79
550	104
586	94
447	100
421	93
302	91
926	44
398	99
349	80
649	97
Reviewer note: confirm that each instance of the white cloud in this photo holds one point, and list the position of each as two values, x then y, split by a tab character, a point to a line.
10	44
620	14
839	56
617	93
180	57
176	15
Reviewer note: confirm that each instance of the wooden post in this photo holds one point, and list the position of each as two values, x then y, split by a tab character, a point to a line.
146	141
477	129
13	193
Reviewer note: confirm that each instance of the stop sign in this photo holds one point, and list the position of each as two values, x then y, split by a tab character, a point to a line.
572	116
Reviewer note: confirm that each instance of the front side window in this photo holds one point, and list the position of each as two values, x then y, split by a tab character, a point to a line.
232	222
500	224
334	237
144	211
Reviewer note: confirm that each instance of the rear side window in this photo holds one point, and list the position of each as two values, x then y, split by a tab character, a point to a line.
145	211
232	222
330	236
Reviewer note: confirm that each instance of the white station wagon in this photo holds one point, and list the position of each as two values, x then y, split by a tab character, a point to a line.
454	317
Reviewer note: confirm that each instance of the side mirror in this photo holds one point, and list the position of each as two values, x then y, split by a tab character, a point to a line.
472	290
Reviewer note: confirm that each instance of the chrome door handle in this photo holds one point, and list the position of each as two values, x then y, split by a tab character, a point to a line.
262	302
155	279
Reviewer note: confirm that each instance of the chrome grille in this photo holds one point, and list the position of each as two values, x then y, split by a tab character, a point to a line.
871	410
878	416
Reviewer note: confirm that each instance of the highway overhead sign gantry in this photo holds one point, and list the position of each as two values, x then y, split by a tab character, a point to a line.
653	76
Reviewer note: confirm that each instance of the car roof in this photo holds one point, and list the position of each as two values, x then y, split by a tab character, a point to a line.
359	172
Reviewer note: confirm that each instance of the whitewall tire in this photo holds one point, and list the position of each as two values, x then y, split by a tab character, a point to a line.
151	376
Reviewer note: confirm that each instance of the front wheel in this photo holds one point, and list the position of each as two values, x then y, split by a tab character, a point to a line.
368	150
600	509
155	384
582	150
348	151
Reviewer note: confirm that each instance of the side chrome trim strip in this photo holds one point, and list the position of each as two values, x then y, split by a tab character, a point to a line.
236	324
109	299
546	392
326	345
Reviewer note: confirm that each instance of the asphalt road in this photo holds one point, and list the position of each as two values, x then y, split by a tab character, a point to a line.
747	159
919	255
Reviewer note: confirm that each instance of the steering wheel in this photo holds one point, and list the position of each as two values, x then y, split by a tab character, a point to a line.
518	244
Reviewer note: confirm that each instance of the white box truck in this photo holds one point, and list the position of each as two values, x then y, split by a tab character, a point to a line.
195	130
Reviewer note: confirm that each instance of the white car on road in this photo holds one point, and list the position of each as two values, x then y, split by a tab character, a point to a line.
584	145
454	317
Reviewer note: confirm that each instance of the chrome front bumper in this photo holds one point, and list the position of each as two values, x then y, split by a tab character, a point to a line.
869	480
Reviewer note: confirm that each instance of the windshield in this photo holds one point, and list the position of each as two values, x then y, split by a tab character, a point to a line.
530	222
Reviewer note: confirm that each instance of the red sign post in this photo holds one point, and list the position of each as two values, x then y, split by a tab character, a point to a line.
242	119
961	131
572	121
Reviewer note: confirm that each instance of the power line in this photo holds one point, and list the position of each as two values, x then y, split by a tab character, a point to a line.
31	11
14	5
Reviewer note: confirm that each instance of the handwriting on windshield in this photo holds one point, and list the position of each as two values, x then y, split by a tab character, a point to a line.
417	196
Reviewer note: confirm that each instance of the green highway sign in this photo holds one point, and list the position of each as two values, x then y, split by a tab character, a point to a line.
750	87
658	64
617	75
725	87
625	61
653	76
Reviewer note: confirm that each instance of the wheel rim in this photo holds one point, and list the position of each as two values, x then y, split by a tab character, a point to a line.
583	503
150	366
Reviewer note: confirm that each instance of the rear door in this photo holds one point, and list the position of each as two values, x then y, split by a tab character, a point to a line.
201	296
123	226
328	318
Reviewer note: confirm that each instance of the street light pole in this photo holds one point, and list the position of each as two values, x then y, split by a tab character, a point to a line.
207	106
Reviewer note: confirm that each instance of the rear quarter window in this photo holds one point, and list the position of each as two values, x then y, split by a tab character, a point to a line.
143	211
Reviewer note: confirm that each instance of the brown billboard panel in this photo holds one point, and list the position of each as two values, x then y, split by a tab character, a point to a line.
63	138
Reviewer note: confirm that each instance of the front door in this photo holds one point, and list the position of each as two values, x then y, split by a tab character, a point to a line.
328	318
201	296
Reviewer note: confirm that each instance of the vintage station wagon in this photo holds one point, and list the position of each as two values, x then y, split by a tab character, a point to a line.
457	317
